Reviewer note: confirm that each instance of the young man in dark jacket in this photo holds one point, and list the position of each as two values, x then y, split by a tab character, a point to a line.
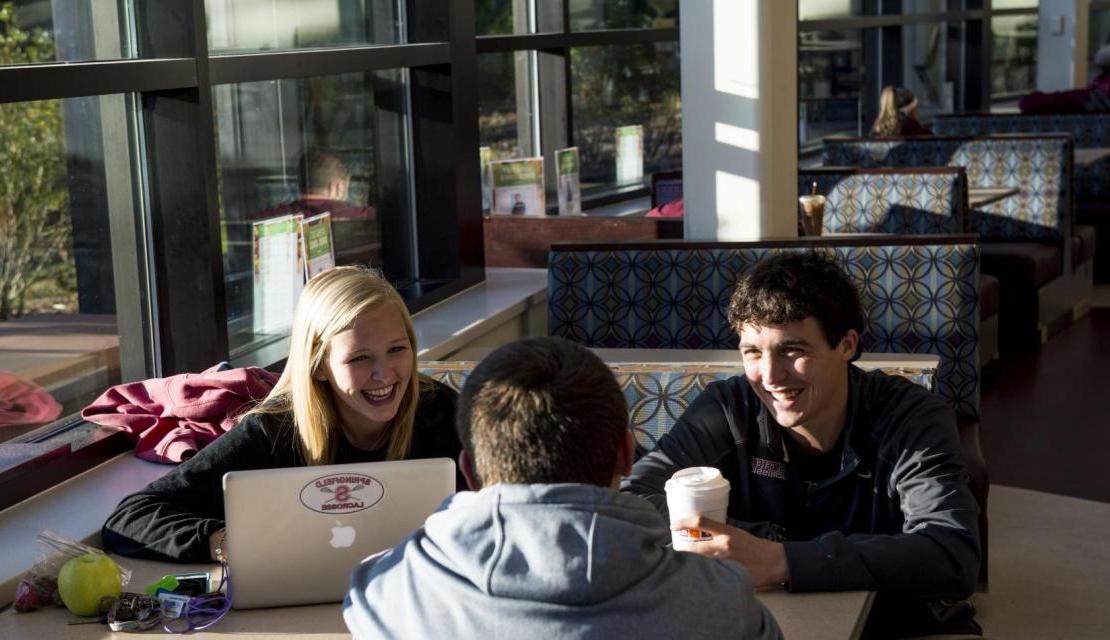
840	479
545	547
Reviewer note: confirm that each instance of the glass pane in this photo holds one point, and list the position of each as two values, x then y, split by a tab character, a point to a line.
333	144
1013	57
506	119
59	342
31	32
925	68
622	14
626	86
831	77
1014	4
825	9
1098	36
234	25
499	17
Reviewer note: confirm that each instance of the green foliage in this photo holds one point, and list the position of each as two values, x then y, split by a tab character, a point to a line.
35	228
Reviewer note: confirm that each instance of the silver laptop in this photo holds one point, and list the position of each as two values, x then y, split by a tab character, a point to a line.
294	535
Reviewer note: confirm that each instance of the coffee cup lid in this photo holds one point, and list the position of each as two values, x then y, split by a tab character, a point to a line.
698	479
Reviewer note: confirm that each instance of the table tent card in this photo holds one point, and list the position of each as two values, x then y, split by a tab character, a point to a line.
485	156
569	187
630	154
278	273
518	186
316	244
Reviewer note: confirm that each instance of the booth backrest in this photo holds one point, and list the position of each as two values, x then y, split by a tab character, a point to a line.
656	393
1039	165
1088	130
920	295
890	200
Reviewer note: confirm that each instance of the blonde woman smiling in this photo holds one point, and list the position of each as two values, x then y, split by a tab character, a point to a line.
350	392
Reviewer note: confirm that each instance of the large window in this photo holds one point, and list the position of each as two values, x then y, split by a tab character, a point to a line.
139	176
549	80
953	55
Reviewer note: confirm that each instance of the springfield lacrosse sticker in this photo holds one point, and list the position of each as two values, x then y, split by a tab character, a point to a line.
342	493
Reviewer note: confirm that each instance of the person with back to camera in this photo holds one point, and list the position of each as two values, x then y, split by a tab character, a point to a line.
840	479
898	115
545	547
350	392
1094	98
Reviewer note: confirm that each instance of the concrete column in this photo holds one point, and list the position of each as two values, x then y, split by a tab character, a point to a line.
739	118
1062	44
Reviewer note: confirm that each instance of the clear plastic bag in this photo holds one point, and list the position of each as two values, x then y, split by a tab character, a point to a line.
39	586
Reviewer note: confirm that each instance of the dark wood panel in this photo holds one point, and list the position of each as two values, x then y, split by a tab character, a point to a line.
525	241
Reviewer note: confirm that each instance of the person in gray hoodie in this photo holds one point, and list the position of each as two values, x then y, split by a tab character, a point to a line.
546	547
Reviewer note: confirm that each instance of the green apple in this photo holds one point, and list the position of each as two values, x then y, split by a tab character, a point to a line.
85	580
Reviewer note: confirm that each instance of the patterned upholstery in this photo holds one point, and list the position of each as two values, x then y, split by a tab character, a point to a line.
1039	165
656	393
918	298
899	203
1088	130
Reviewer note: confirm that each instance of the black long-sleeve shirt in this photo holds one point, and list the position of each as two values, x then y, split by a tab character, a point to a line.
890	512
173	517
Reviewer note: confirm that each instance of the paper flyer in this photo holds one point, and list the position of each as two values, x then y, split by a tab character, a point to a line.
518	186
316	244
570	190
630	154
278	273
485	156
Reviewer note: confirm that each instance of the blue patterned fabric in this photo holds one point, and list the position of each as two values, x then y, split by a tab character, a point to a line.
917	299
657	393
899	203
1038	166
1088	130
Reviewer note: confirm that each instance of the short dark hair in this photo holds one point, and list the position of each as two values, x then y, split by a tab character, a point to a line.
542	410
317	168
792	286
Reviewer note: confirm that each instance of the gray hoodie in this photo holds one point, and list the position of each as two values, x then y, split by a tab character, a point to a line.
531	562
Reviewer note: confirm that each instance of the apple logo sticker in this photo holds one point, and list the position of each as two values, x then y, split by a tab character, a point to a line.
342	536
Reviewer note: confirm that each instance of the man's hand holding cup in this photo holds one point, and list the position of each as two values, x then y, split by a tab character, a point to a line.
765	560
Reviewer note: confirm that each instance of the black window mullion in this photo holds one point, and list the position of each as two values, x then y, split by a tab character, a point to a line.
253	67
21	83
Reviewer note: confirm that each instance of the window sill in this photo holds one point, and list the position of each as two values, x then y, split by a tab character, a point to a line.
78	507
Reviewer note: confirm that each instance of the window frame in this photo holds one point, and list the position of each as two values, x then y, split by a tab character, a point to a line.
179	324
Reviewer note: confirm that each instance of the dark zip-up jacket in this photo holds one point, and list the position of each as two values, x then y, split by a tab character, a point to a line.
893	514
173	517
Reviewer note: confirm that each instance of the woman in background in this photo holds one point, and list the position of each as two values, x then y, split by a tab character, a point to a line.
350	392
898	115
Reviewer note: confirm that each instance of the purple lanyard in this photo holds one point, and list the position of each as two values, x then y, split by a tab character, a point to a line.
205	610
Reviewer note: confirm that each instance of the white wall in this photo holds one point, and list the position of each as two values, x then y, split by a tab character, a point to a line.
739	118
1062	44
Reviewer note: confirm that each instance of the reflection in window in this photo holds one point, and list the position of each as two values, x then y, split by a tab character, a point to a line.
234	25
29	31
500	17
924	58
621	14
831	76
506	117
1013	56
616	87
825	9
1098	36
59	345
333	144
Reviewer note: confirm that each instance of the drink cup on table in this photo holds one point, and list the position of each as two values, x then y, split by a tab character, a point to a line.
696	491
813	213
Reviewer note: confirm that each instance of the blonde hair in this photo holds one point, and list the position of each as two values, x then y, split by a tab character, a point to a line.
894	106
330	303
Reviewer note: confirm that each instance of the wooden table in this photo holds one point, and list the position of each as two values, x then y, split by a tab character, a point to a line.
800	615
982	196
1087	157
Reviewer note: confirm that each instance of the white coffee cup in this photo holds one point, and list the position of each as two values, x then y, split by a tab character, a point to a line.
696	491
